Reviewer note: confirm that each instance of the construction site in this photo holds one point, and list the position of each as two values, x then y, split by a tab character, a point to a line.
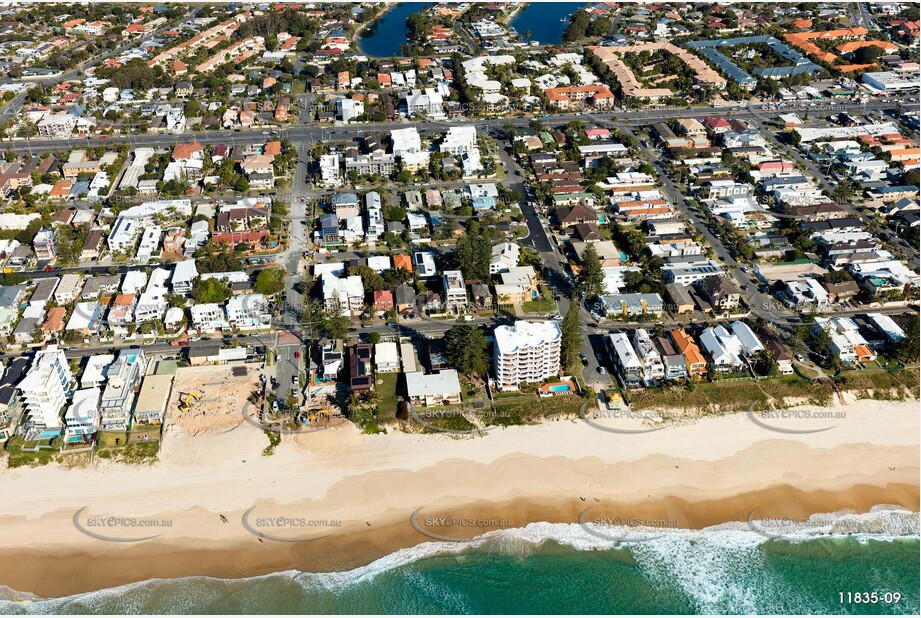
212	397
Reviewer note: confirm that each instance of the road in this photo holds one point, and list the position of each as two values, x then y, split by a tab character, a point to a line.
313	134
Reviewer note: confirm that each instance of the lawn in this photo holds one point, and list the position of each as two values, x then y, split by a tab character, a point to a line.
298	87
387	395
538	306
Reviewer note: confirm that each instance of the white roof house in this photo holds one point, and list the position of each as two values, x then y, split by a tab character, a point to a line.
94	374
748	340
386	357
722	347
434	388
134	281
459	140
887	326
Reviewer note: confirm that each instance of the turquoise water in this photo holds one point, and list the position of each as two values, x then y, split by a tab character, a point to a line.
559	388
556	568
543	19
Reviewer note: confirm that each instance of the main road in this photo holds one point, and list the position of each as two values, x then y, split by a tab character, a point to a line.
313	134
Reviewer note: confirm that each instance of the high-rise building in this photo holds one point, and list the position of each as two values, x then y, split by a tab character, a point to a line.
526	352
46	388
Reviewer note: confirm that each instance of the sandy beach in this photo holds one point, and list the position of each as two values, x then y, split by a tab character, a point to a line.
348	497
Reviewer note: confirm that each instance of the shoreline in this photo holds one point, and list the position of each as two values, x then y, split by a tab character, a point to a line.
52	575
359	491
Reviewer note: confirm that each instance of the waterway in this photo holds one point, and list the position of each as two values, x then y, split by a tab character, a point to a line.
546	20
386	36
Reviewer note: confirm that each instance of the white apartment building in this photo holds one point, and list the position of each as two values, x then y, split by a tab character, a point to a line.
248	311
653	366
375	227
207	317
455	291
405	140
459	140
82	416
150	244
330	174
504	257
526	352
45	389
346	294
152	304
123	377
349	109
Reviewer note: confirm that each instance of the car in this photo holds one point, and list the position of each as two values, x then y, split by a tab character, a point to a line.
293	379
297	354
183	343
800	358
593	324
557	317
367	325
391	324
602	370
584	359
275	406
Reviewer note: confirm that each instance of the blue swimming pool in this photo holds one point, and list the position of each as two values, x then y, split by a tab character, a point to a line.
559	388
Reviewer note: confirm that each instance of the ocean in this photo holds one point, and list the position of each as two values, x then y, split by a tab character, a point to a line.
561	568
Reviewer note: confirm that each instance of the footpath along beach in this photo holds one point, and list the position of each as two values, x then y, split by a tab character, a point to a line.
338	499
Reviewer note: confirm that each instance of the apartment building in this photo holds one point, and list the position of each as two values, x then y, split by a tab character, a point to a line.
123	377
628	364
455	291
45	390
653	367
526	352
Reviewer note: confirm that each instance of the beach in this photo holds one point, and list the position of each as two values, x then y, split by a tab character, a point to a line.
348	498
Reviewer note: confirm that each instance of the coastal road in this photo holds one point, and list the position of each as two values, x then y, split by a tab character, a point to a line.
312	134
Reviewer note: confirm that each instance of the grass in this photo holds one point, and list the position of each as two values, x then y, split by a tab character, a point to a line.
456	422
387	395
17	458
879	385
529	409
726	397
298	87
274	440
111	438
538	306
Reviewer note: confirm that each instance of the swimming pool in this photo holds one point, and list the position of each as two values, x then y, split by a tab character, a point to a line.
559	388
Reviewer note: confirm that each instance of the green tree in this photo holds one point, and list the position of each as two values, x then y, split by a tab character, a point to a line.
907	348
270	281
210	291
591	278
572	334
474	251
465	349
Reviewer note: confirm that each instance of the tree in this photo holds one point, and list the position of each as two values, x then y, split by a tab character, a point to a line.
474	251
572	334
907	348
795	137
374	338
591	278
465	349
210	291
270	281
868	54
